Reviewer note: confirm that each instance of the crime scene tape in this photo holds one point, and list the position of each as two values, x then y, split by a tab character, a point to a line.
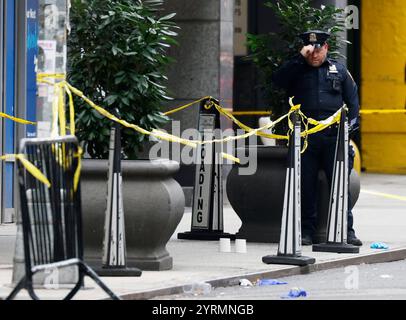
163	135
58	113
35	172
76	176
59	121
318	125
249	113
266	113
15	119
58	109
42	77
382	111
185	106
27	164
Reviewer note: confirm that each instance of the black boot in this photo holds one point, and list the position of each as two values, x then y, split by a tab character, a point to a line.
352	239
307	240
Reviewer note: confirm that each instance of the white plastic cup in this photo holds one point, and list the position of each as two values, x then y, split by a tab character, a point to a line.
240	245
225	245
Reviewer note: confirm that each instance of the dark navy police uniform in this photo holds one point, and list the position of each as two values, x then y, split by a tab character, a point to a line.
321	91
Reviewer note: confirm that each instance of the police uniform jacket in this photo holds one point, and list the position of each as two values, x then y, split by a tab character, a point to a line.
321	91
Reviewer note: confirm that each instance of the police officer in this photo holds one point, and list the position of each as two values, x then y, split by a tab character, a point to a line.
321	85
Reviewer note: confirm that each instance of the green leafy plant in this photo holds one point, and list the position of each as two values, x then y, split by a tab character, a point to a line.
117	57
269	51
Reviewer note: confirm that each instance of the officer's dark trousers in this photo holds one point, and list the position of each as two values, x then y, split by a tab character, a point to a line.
319	154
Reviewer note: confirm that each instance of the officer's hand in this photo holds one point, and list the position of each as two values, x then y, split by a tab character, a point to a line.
307	50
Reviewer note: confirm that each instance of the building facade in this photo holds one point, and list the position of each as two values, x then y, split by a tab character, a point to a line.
383	85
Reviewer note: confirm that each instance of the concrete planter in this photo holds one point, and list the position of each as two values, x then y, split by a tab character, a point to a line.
258	199
153	207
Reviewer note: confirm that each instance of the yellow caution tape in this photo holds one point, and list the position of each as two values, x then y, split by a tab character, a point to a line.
321	125
296	108
246	128
230	157
250	113
156	133
59	114
230	115
385	195
15	119
250	131
34	171
185	106
382	111
59	111
76	176
71	111
63	87
163	135
160	134
42	76
58	125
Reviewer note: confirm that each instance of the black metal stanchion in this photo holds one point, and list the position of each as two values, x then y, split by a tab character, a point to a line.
207	210
114	246
290	244
338	209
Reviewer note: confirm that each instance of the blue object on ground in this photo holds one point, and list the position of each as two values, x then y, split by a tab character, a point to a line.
295	293
270	282
379	245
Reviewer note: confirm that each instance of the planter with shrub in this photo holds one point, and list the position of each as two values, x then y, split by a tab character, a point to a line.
117	57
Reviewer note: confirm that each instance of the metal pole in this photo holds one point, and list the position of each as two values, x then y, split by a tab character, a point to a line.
290	244
338	209
114	258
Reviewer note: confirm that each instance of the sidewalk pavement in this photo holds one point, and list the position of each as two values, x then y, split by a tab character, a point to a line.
379	216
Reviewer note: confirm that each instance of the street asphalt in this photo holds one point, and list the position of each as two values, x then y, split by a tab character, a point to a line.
384	281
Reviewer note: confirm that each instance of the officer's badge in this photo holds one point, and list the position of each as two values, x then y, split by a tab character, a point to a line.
333	69
312	37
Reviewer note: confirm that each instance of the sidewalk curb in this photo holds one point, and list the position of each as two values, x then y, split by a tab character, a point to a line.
370	258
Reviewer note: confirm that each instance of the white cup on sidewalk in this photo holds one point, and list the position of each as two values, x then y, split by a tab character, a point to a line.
240	245
225	245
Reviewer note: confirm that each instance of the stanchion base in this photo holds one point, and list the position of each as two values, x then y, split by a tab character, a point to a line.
205	235
335	247
118	272
290	260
